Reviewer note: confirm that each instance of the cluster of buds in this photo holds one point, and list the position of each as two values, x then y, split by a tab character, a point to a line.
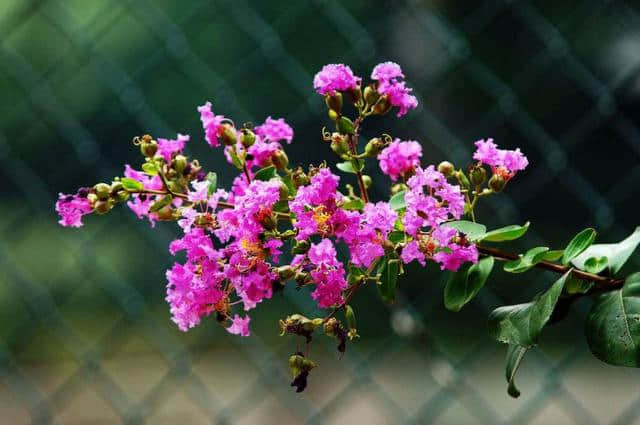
235	239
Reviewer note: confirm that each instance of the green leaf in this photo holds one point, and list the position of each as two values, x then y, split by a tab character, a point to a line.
346	166
345	125
289	183
158	205
389	270
396	236
464	284
596	264
554	255
131	185
397	201
150	168
266	173
578	245
473	231
507	233
235	159
353	204
521	324
577	286
350	316
613	325
527	261
212	178
515	354
617	253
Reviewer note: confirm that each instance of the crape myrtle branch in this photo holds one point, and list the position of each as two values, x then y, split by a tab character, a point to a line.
234	240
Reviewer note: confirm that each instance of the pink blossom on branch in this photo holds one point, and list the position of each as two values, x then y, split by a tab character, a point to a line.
275	130
400	158
211	123
71	208
335	77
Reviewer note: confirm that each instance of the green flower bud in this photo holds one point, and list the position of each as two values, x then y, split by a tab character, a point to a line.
367	181
339	144
280	160
478	175
462	179
299	178
334	101
247	138
286	272
355	95
92	198
398	187
331	326
102	206
179	163
284	192
371	95
446	168
228	135
103	191
301	247
497	183
374	147
301	278
333	115
165	213
148	146
382	106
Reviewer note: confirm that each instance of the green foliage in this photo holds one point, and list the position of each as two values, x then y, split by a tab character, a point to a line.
212	178
527	261
350	316
353	204
397	201
515	354
617	254
596	264
473	231
158	205
389	269
613	325
507	233
345	125
266	173
131	185
464	284
578	245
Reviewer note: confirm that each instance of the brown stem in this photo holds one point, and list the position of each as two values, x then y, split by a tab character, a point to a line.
603	281
353	144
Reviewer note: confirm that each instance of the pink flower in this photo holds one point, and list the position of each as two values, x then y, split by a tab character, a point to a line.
502	161
239	326
328	274
275	130
71	208
315	206
389	75
365	246
211	124
168	147
261	152
411	251
386	71
399	158
335	77
452	255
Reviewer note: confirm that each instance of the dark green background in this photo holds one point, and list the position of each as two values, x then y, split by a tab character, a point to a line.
85	335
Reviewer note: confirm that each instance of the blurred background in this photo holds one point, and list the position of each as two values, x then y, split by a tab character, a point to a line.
85	335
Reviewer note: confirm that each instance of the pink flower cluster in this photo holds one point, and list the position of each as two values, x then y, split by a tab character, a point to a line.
71	208
502	161
274	130
211	123
167	148
432	201
389	76
335	77
400	158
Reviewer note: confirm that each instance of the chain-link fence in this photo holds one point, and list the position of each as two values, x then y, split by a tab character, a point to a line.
84	334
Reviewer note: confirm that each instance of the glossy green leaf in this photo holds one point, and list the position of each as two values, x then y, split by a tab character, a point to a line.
396	236
596	264
553	255
527	261
507	233
515	354
578	245
353	204
473	231
465	284
346	166
521	324
389	270
397	201
345	125
131	185
212	178
613	325
158	205
150	168
266	173
617	253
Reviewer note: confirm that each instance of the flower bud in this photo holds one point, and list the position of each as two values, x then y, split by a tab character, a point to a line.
285	272
228	134
462	179
333	115
247	137
92	198
374	147
497	183
446	168
302	278
301	247
299	178
175	187
382	106
179	163
165	213
355	94
334	101
478	175
398	187
148	147
339	144
102	206
284	192
371	95
331	326
116	187
103	190
367	181
280	160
